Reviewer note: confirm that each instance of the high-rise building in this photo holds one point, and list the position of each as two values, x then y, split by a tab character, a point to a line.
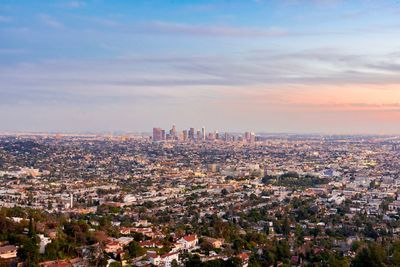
247	136
163	137
184	135
198	135
226	137
203	133
252	137
172	132
191	133
158	134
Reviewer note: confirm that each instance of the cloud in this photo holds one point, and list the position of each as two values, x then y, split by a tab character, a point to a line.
5	19
207	30
255	76
102	21
50	21
74	4
12	51
250	69
350	106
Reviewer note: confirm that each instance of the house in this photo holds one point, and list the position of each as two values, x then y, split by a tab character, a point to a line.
56	263
124	241
189	242
113	246
163	260
167	259
76	262
215	242
44	241
150	244
153	258
394	206
244	257
8	252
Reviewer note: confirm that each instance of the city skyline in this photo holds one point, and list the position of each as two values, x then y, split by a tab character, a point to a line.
291	66
192	134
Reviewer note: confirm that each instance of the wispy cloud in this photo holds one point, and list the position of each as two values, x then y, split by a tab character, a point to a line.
218	77
103	21
5	19
12	51
204	30
74	4
50	21
257	68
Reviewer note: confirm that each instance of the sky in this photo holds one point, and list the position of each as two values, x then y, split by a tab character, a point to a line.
295	66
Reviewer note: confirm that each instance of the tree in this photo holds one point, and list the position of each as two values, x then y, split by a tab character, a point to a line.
134	249
282	250
286	226
115	264
206	246
31	229
335	261
373	255
174	263
28	252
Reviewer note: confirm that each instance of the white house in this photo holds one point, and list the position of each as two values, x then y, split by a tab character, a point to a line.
188	242
44	241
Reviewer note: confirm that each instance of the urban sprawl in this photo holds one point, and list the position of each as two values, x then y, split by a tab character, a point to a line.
192	198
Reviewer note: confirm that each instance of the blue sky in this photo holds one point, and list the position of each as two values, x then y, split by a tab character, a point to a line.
327	66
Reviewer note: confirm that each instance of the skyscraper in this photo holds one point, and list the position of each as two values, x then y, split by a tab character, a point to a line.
163	135
247	136
198	135
158	134
172	132
203	133
252	137
185	135
191	133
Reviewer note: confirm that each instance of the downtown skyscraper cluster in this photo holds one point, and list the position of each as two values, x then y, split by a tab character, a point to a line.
191	134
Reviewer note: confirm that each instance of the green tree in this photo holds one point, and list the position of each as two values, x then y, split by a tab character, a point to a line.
28	252
134	249
115	264
373	256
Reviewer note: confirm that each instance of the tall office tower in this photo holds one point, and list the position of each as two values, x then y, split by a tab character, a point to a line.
216	135
191	133
247	136
163	135
226	137
252	137
198	135
185	135
203	133
172	132
157	134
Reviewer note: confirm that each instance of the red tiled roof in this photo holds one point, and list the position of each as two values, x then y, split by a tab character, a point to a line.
243	256
57	263
190	238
